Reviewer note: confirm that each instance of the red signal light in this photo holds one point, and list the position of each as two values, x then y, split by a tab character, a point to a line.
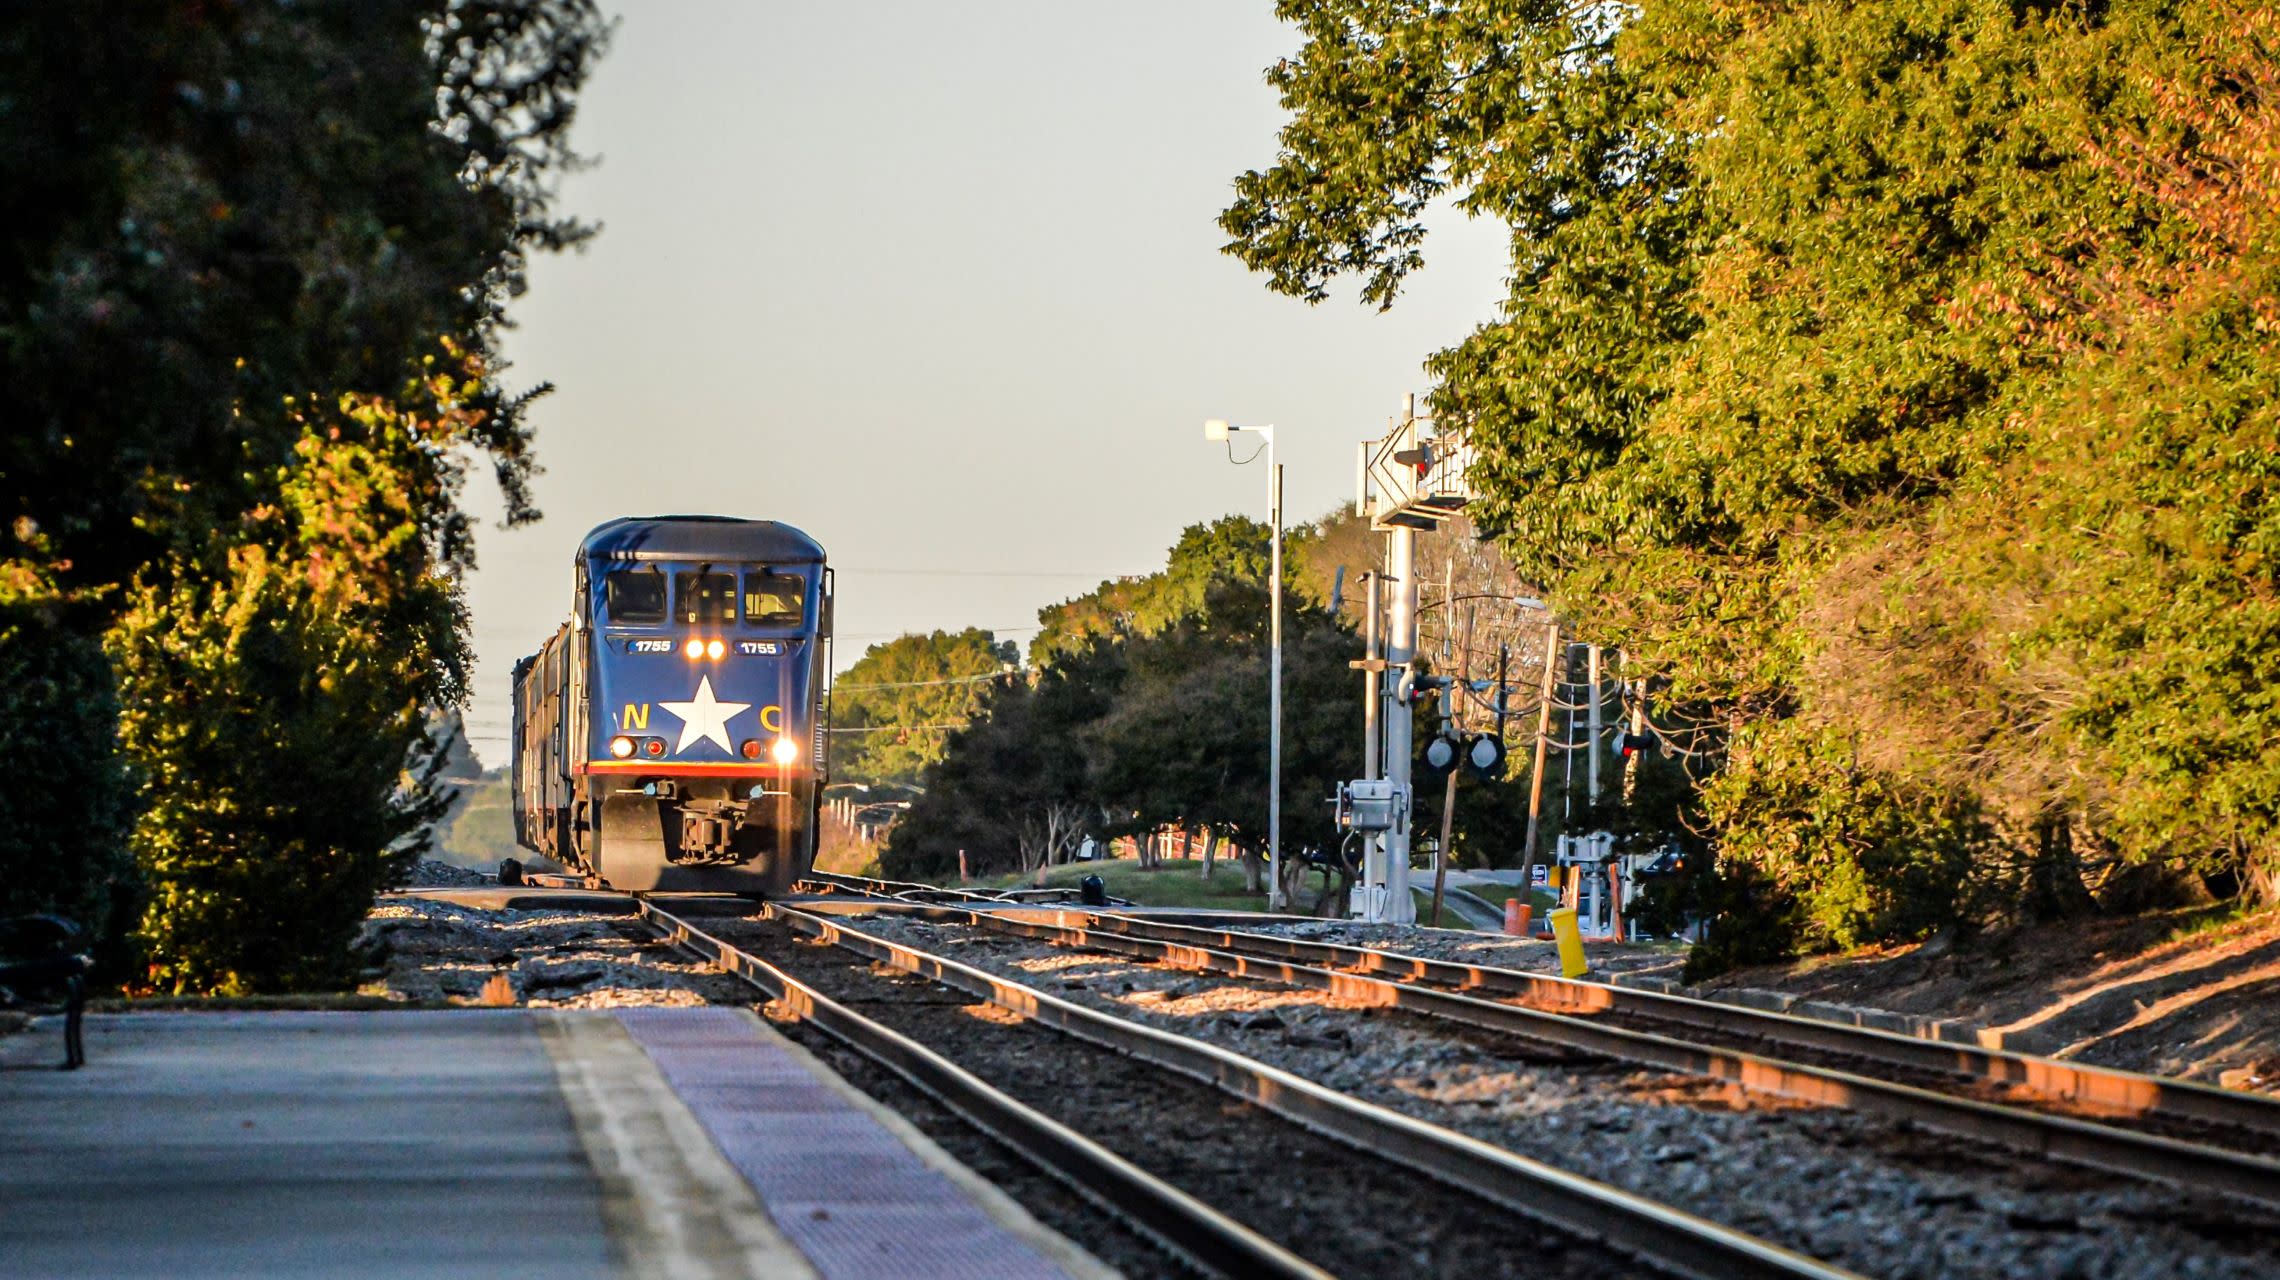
653	747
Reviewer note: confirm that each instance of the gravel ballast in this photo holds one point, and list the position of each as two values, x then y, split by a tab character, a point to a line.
1338	1207
1880	1198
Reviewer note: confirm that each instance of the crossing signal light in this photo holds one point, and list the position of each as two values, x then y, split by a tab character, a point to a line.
1485	755
1633	744
1440	755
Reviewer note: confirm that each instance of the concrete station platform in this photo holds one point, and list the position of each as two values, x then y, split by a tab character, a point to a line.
454	1143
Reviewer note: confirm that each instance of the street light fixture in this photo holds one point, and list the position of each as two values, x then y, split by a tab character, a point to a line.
1218	430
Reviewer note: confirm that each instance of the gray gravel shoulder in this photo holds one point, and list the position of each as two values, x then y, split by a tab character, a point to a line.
1880	1198
1530	955
437	951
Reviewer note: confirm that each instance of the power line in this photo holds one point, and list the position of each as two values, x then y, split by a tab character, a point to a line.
977	573
918	684
912	631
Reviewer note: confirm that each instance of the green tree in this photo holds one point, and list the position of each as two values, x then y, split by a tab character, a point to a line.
1229	548
62	833
1185	744
1825	387
248	319
1011	789
1137	719
280	703
892	710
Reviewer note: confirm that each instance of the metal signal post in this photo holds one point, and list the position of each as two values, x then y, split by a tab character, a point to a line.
1409	481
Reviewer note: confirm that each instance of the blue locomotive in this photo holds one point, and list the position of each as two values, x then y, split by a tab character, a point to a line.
670	736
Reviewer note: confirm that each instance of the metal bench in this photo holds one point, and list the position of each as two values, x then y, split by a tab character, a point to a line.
43	957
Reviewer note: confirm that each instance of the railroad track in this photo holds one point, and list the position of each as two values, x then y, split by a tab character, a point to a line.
2094	1089
1662	1239
1587	1017
1187	1227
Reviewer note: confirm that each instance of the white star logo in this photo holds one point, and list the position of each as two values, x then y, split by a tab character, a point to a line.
703	717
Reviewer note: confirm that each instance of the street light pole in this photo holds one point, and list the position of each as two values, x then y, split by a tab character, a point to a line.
1274	693
1219	429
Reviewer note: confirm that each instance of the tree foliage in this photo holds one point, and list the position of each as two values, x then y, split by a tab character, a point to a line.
248	324
63	828
1011	789
892	710
1896	379
313	653
1229	548
1138	720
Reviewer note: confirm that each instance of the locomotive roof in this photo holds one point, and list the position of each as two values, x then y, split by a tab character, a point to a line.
700	538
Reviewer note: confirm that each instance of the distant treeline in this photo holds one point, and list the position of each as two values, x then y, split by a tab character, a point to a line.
1144	707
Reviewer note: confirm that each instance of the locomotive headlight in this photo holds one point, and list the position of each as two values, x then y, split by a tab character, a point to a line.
714	648
621	746
695	648
785	751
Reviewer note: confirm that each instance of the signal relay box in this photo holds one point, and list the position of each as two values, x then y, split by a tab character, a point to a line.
1368	805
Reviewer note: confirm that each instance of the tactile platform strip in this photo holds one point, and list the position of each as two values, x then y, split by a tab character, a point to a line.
845	1191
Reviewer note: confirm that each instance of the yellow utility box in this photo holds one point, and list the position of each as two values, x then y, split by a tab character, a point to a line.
1570	939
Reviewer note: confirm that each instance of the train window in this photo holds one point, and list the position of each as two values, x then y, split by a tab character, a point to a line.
636	595
704	597
774	599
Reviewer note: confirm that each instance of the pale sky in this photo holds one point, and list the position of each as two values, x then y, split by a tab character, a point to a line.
941	285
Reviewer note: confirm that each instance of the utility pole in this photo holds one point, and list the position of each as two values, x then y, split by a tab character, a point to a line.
1571	696
1592	722
1456	694
1637	735
1552	657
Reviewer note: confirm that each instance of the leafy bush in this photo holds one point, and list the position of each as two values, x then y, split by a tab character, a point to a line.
1897	379
65	813
1833	854
274	696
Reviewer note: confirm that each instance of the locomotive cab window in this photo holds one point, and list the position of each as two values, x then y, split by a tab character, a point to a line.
774	599
636	595
704	597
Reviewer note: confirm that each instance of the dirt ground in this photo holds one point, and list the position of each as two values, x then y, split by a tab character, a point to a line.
2161	993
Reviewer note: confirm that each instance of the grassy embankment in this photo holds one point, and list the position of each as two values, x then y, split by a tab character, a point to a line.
1498	894
1175	882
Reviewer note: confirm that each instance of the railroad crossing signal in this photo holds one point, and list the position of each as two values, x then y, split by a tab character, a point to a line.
1483	753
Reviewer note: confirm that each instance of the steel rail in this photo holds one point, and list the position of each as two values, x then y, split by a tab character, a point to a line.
1659	1236
2076	1141
2107	1090
1179	1221
901	890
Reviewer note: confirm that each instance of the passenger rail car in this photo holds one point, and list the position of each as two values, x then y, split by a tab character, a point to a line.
670	736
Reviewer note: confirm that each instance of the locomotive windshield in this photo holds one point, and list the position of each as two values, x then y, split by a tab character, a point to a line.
773	599
704	597
636	595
